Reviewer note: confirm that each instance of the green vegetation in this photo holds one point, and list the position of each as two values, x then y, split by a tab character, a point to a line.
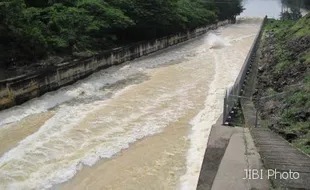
302	27
306	58
35	29
288	33
288	73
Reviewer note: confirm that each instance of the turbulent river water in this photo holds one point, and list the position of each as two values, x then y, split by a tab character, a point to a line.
140	125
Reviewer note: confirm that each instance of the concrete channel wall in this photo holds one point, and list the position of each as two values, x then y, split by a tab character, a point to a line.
234	93
14	91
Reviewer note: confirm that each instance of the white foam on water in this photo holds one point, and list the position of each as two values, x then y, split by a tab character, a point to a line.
34	150
201	126
225	57
214	41
62	145
84	88
93	84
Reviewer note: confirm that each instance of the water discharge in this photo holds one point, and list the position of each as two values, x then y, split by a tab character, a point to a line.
215	41
139	125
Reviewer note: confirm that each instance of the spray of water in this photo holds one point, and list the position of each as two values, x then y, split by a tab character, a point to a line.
216	42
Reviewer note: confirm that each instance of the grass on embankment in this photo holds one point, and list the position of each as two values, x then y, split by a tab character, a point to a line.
285	69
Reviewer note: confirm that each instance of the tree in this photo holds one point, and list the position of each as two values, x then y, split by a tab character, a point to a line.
229	9
35	29
195	14
294	14
20	32
152	18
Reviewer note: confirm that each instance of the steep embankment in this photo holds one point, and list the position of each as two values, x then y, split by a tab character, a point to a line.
283	86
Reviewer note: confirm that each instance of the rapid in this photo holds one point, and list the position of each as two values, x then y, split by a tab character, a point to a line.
143	124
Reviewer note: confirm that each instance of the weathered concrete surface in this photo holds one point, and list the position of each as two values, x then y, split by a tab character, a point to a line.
255	162
218	141
17	90
240	156
251	117
229	152
237	89
278	154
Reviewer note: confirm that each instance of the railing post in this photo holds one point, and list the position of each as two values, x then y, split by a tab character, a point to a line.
225	107
256	118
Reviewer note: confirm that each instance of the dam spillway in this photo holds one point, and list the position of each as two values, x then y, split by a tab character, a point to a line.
143	124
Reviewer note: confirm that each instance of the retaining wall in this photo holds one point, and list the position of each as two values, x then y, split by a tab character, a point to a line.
17	90
234	93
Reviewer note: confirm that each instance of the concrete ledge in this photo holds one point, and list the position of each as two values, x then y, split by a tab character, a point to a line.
240	156
217	144
230	151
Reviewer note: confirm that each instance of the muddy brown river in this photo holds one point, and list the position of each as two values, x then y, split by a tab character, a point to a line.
140	125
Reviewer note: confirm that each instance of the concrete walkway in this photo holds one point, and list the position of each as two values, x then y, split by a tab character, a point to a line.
240	156
230	152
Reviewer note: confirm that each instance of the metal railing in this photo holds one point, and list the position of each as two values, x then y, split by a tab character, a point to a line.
236	90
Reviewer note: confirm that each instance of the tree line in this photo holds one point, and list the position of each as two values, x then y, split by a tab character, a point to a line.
35	29
297	3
